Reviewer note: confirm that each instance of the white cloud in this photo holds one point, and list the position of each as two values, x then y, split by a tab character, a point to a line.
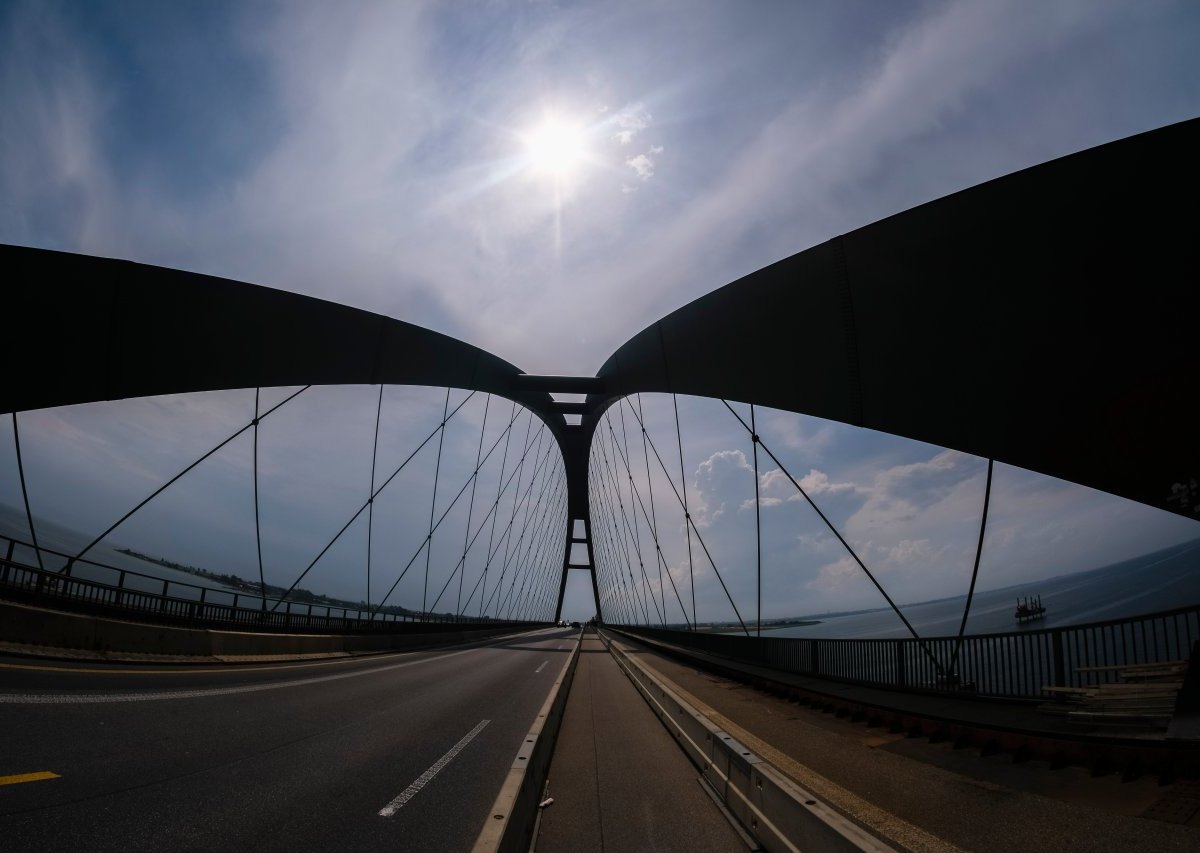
836	576
902	493
812	437
724	477
908	551
630	122
775	487
380	182
643	164
817	483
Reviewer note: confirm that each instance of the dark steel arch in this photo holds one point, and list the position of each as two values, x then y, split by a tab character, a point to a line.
1043	319
90	329
976	322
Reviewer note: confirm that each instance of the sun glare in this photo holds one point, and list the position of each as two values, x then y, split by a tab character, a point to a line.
555	147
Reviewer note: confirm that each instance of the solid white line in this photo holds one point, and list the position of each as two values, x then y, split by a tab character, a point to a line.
426	777
540	668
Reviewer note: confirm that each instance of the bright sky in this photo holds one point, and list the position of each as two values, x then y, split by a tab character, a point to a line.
543	180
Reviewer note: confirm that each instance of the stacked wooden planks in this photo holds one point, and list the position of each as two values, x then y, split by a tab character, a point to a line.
1143	696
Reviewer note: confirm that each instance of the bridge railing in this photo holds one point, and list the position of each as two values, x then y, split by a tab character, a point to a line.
102	589
1014	665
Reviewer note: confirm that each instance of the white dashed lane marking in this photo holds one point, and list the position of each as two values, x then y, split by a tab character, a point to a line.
426	777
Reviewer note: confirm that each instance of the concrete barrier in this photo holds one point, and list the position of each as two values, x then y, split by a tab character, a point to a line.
21	623
777	812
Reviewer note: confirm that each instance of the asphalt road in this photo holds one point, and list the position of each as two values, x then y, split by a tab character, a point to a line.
280	757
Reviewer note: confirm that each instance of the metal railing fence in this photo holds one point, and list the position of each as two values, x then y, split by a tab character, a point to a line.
1015	665
98	588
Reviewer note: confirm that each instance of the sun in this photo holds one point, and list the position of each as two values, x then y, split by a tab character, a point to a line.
556	147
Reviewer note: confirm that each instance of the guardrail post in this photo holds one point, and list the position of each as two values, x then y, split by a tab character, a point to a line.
1059	676
9	552
814	662
901	665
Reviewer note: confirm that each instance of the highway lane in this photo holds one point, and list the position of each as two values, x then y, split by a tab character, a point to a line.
278	757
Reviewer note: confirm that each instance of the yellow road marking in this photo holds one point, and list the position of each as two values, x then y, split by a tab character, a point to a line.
27	777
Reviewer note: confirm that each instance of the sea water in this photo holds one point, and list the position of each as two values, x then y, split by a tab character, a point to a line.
1163	580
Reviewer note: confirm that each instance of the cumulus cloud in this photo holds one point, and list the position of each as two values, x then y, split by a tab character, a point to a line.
817	483
643	164
721	480
775	488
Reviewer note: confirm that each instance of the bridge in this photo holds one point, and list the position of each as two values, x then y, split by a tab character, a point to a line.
240	713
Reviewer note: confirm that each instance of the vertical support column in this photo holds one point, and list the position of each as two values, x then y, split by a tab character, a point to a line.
562	584
590	566
575	443
587	533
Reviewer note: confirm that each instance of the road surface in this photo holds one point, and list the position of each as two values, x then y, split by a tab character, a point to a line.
400	752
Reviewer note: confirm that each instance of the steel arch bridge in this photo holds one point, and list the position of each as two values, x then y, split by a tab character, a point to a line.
1042	319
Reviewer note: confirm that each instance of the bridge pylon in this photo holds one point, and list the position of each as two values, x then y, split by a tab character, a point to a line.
575	442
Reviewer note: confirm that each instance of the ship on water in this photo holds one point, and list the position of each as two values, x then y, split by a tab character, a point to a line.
1029	608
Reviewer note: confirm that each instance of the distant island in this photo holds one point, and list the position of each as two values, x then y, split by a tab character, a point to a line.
299	594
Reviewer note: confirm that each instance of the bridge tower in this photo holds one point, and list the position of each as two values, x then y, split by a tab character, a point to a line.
572	423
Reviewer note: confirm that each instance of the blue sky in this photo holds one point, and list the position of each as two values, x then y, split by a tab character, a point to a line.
377	155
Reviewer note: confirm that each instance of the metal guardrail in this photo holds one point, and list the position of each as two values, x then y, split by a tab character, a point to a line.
113	591
776	811
1014	665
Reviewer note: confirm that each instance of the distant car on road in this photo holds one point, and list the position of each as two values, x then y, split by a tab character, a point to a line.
575	625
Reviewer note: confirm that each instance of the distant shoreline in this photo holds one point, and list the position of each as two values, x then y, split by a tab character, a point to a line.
766	626
241	585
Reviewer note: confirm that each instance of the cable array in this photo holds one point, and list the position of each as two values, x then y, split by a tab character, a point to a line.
516	574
